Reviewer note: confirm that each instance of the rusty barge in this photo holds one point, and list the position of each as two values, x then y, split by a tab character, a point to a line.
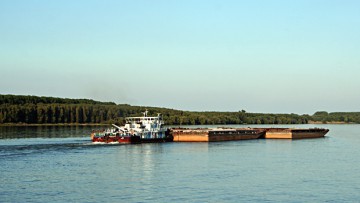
233	134
294	133
215	134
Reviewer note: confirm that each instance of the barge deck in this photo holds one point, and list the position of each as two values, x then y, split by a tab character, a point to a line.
215	135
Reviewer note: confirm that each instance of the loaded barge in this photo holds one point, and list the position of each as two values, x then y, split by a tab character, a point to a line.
215	134
294	133
230	134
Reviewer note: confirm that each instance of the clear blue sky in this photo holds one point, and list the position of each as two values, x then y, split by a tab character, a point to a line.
262	56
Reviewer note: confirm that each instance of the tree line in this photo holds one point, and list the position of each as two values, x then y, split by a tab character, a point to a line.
50	110
22	99
343	117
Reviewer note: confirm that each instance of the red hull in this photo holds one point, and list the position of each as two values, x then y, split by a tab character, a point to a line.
130	139
119	139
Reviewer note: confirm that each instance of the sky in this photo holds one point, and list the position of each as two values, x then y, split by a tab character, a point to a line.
274	56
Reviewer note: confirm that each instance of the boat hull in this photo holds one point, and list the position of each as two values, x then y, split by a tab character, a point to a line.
119	139
130	139
157	140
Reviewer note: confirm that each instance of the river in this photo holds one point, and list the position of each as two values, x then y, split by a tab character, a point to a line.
61	164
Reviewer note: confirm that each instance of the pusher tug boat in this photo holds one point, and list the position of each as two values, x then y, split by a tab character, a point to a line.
136	130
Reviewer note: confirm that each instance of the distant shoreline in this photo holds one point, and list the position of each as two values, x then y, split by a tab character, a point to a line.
22	110
54	124
106	124
329	122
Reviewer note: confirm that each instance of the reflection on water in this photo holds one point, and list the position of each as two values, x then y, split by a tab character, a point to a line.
12	132
33	146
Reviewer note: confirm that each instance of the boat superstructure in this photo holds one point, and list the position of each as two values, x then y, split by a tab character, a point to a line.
148	128
135	130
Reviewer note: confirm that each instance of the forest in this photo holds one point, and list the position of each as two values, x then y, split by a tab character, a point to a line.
20	109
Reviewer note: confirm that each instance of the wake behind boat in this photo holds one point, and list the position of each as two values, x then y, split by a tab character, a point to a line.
136	130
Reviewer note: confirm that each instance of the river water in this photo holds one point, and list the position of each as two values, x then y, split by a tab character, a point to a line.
60	164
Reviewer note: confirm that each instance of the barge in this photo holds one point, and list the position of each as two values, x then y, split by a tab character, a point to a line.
294	133
143	129
147	129
215	134
232	134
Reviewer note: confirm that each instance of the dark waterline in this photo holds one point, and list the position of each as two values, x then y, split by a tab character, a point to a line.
60	164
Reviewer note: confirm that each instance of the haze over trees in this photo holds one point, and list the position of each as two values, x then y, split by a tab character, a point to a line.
18	109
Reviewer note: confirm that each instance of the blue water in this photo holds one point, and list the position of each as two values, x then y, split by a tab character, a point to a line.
60	164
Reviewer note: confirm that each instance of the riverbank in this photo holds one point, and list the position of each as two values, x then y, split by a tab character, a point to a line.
329	122
53	124
107	124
